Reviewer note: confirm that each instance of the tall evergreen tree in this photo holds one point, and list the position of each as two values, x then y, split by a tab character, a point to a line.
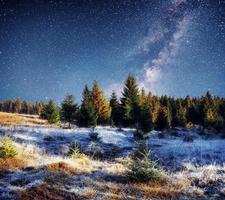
130	101
142	97
180	116
69	109
116	109
155	106
145	119
18	106
101	105
87	116
38	107
163	119
24	107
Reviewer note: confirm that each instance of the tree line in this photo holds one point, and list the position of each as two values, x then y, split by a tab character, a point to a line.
137	108
21	107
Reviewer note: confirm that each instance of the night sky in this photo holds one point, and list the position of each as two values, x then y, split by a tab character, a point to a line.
51	48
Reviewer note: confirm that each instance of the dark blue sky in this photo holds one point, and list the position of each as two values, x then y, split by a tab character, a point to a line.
50	48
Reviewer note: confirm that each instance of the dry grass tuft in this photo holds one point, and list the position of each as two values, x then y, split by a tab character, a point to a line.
199	192
44	191
84	161
17	162
20	161
63	168
112	196
20	119
90	194
157	190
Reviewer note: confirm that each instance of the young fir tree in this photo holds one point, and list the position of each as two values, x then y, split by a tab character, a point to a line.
87	115
101	105
130	101
163	119
116	110
51	112
69	109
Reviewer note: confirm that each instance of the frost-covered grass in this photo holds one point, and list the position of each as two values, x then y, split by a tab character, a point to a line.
174	152
193	169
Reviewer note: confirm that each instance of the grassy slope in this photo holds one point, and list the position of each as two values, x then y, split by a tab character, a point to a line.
20	119
60	177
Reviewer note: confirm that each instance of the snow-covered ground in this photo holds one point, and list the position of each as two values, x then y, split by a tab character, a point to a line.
55	141
187	147
194	158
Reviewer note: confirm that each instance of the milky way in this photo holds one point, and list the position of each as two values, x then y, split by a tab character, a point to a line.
50	48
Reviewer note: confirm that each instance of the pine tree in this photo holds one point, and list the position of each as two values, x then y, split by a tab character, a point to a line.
142	97
208	110
145	120
187	102
69	109
180	116
130	101
38	107
87	115
30	108
209	117
18	106
7	106
154	105
163	119
24	107
101	105
116	109
51	112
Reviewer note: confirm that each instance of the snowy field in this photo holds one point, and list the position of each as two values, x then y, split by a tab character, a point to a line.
198	161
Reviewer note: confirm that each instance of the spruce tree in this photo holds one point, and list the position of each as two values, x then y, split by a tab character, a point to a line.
142	97
154	104
163	119
116	109
130	101
145	120
101	105
180	116
87	115
51	112
69	109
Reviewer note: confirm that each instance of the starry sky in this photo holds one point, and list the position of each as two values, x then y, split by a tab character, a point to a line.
52	48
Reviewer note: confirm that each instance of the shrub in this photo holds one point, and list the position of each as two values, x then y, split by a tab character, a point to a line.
142	169
7	148
138	134
48	138
75	150
94	135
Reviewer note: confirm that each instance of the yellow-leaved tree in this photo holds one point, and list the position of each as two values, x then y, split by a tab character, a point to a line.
101	105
